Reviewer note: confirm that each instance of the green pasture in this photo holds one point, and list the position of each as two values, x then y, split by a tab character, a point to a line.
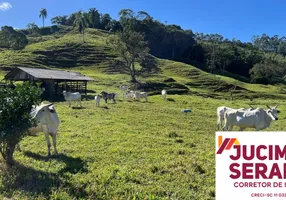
128	150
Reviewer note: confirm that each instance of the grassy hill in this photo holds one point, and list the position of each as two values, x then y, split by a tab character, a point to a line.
127	150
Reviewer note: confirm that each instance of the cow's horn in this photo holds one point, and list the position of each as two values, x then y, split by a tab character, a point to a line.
251	106
49	104
276	106
268	106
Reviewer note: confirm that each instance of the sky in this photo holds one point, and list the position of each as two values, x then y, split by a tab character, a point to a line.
240	19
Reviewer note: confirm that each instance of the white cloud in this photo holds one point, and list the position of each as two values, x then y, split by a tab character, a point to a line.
5	6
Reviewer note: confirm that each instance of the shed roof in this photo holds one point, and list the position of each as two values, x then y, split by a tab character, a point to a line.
38	73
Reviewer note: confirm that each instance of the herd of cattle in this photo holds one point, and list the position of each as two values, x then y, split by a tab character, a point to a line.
48	120
126	94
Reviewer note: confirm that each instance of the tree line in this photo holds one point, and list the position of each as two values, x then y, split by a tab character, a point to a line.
260	61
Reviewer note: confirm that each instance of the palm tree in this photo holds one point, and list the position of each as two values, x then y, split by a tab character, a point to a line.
94	17
33	28
60	20
81	23
43	15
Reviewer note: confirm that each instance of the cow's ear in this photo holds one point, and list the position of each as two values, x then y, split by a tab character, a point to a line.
52	110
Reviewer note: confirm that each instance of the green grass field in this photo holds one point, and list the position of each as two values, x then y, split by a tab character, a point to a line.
129	150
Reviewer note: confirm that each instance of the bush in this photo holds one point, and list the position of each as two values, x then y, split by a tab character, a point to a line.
54	29
265	73
15	118
45	31
24	31
10	38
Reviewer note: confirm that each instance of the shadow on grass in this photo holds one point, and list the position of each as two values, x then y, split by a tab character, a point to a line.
35	182
137	101
73	165
78	108
170	99
148	102
104	107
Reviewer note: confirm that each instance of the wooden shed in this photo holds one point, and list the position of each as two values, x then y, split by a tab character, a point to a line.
54	81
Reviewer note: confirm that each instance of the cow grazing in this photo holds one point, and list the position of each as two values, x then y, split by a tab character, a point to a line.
76	96
164	94
221	111
107	96
123	89
130	94
139	95
47	121
258	118
97	99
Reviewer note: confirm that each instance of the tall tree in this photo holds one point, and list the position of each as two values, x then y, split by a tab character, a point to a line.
131	47
177	40
60	20
10	38
131	20
113	26
43	14
94	17
265	72
33	28
81	23
104	20
71	19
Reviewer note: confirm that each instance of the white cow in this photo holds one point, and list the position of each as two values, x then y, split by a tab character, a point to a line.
76	96
123	89
47	122
221	111
139	95
97	99
258	118
164	94
130	94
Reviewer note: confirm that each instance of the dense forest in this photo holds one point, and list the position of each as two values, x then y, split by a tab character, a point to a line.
260	61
